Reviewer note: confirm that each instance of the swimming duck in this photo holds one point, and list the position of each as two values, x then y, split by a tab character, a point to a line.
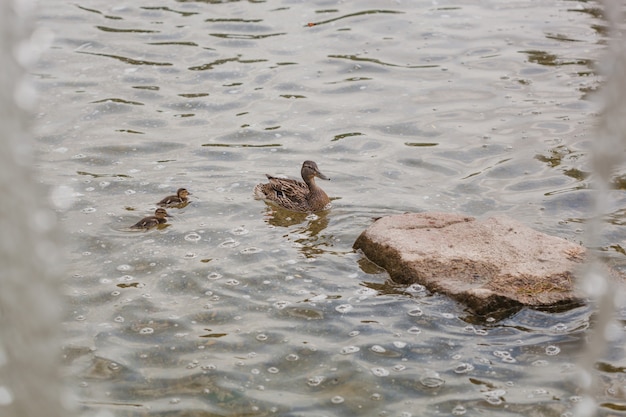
293	194
149	222
175	200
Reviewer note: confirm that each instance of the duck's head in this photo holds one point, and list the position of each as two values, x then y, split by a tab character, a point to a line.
160	213
310	170
182	193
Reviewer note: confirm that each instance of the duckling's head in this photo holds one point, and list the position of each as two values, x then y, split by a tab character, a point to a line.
310	170
182	193
160	213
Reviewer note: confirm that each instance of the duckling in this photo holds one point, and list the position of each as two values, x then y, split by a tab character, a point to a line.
175	200
151	221
296	195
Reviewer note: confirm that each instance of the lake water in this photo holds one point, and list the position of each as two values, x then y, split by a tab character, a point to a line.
237	308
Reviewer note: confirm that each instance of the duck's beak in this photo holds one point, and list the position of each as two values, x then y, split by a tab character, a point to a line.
322	176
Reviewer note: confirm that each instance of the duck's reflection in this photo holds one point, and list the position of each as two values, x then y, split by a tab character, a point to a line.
306	229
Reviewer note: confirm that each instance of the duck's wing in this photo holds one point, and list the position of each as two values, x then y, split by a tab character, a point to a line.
145	223
288	188
288	193
169	200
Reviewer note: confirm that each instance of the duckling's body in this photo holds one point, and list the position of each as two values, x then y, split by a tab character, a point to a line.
296	195
175	200
151	221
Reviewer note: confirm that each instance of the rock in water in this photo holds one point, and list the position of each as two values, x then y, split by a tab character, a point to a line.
491	266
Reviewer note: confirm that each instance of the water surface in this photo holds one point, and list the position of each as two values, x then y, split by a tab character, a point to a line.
237	308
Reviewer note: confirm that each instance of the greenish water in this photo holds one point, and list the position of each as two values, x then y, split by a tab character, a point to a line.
237	308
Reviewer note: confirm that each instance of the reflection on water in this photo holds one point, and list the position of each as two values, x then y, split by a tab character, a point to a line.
239	307
306	237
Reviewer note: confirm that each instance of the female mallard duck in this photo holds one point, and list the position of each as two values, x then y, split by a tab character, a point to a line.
175	200
293	194
149	222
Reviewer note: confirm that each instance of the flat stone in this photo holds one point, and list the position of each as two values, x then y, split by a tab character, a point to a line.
492	265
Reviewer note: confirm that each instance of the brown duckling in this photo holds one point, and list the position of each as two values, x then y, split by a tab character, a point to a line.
293	194
175	200
151	221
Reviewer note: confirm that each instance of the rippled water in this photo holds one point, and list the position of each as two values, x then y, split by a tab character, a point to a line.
236	308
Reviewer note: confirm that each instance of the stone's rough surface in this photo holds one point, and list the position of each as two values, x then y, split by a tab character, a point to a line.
491	265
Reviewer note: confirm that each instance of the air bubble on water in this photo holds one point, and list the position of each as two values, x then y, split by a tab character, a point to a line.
414	330
559	327
314	381
312	217
209	367
376	396
250	250
354	333
88	210
115	293
399	344
292	357
190	255
130	192
174	400
255	371
261	337
378	349
232	282
416	289
344	308
347	350
504	356
240	231
229	243
552	350
273	370
337	399
448	315
380	372
459	410
399	368
125	278
124	267
119	319
281	304
193	237
540	362
214	276
464	368
146	330
366	292
80	317
431	379
416	312
481	332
